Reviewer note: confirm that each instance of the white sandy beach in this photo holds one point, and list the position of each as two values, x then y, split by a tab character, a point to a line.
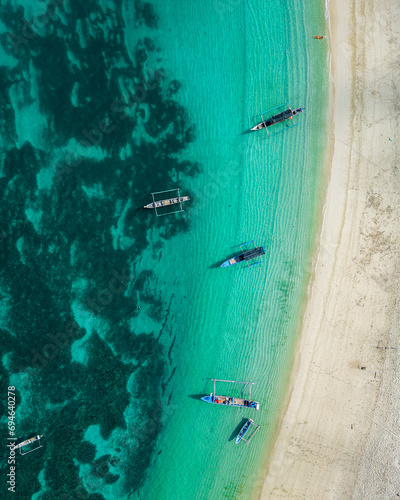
340	436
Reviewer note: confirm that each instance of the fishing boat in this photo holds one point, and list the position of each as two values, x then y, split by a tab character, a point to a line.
287	114
165	203
173	200
229	400
246	255
26	442
318	37
243	431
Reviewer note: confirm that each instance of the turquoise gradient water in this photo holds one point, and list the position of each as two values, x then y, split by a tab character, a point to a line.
113	320
236	60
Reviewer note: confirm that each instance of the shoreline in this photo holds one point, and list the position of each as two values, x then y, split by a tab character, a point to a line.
341	420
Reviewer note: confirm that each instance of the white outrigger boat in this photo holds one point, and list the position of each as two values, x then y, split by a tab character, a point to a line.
26	442
177	200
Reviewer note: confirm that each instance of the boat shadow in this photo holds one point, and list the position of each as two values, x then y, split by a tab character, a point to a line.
197	396
236	430
216	265
134	212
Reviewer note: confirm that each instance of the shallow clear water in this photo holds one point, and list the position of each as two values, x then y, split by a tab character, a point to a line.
112	318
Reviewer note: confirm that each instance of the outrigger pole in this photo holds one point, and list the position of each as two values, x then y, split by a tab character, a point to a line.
26	442
262	118
255	246
284	130
276	107
167	191
233	382
247	441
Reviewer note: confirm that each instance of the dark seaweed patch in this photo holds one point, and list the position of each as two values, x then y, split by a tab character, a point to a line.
145	14
86	452
73	241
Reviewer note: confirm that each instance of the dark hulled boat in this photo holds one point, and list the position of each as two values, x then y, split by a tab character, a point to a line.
278	118
246	256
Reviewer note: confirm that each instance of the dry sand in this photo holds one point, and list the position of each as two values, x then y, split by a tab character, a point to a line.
340	436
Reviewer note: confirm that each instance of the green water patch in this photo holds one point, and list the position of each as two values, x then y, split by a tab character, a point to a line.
235	61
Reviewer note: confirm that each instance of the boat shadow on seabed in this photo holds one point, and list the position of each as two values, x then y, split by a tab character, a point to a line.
196	396
236	430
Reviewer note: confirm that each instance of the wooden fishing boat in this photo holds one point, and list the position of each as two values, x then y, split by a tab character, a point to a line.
229	400
246	255
278	118
27	442
244	430
167	202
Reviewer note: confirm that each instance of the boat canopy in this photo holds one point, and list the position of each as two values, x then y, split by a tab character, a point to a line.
253	253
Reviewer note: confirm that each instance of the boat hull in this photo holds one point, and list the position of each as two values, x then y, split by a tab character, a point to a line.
229	401
279	118
233	261
168	202
243	431
245	256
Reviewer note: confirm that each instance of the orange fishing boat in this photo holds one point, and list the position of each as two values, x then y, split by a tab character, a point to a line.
318	37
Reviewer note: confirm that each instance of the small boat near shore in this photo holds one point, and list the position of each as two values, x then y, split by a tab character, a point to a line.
244	430
229	400
288	114
318	37
246	255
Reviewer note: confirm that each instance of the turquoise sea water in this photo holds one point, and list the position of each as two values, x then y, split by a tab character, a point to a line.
112	319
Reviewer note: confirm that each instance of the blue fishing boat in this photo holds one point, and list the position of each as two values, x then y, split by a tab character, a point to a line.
229	400
244	429
246	255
